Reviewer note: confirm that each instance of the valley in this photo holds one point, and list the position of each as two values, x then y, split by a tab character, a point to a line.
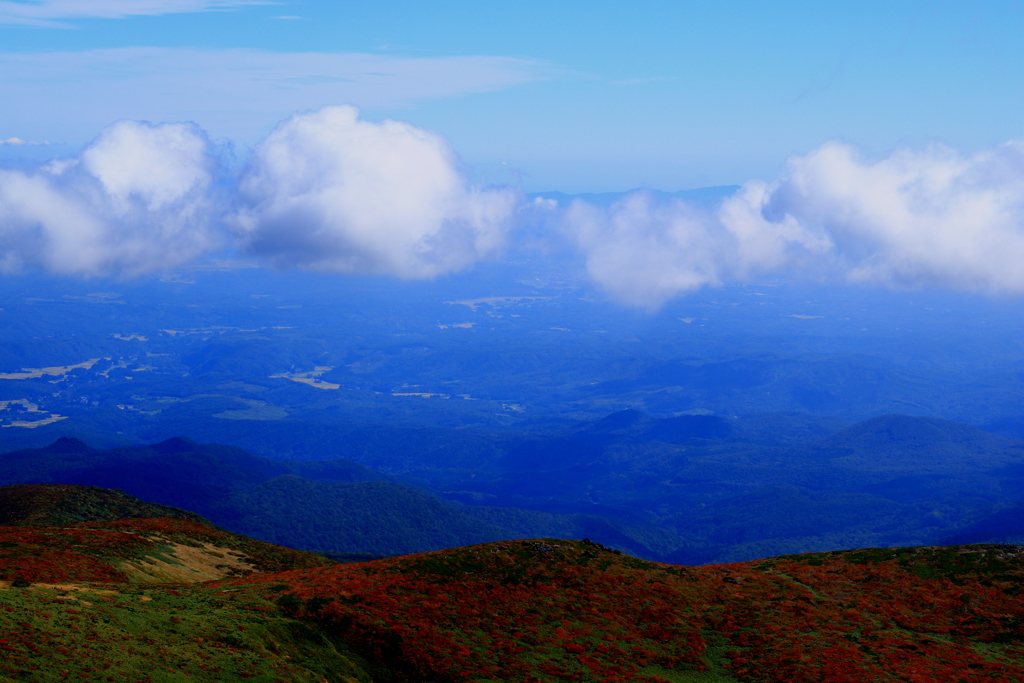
441	452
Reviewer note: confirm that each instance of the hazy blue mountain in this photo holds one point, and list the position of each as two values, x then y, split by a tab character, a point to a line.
338	507
691	488
1004	525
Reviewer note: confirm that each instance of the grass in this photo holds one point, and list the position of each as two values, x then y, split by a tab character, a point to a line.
101	633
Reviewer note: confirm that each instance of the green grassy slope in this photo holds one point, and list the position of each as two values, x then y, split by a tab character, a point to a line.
160	635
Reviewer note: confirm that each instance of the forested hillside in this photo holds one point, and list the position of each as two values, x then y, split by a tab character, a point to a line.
338	507
689	489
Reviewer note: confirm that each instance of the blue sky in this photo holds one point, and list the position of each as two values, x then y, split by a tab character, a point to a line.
574	96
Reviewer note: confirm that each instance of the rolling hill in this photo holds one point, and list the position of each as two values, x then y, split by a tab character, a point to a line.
524	611
55	533
337	507
690	489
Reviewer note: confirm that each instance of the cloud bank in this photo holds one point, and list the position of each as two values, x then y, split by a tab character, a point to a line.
137	199
330	192
929	217
324	191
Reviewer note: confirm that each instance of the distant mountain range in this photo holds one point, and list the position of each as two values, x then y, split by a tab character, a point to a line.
335	507
689	489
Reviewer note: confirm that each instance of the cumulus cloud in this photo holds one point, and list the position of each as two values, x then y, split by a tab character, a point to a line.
328	191
323	191
646	252
929	217
135	200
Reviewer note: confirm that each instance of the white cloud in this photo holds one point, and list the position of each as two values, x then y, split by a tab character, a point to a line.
326	190
645	252
763	246
234	93
46	12
19	142
137	199
330	192
916	218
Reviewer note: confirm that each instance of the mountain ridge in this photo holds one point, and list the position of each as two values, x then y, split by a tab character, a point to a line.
271	500
691	488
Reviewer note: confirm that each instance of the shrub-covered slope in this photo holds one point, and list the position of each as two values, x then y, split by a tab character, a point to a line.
524	611
59	533
564	610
